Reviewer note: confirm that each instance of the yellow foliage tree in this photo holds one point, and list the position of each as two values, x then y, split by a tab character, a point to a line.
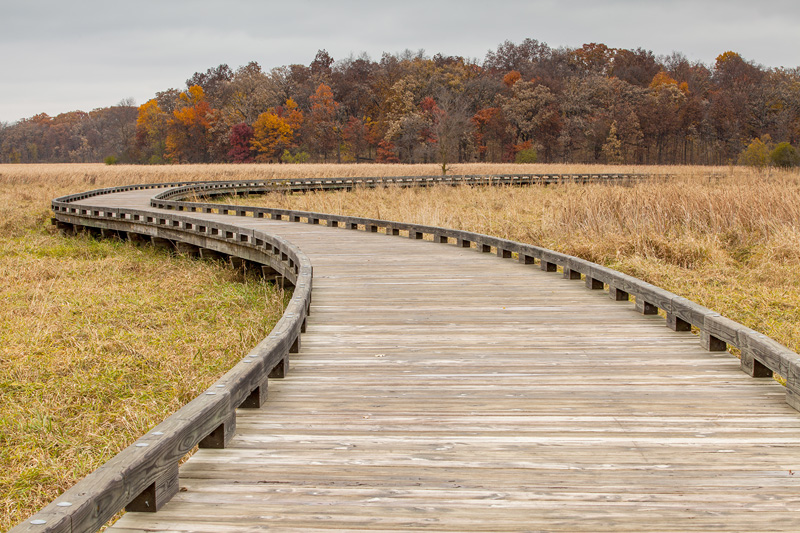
662	80
757	153
275	131
271	135
151	130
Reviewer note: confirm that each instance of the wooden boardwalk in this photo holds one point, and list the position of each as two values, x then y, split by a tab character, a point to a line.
442	389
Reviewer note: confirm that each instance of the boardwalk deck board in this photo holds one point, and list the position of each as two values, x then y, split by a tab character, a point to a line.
441	389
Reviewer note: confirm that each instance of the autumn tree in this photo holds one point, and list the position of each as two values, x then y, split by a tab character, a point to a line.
660	112
636	67
450	126
239	140
527	58
252	92
757	153
323	122
533	112
275	131
352	83
151	131
784	155
271	136
358	138
612	148
188	137
491	135
594	58
511	78
215	83
386	152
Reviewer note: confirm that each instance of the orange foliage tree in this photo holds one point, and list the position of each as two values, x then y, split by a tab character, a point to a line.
188	137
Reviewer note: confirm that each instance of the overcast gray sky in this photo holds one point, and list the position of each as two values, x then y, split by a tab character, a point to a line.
58	56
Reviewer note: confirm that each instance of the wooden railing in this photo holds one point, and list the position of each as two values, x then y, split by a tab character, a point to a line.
144	475
315	184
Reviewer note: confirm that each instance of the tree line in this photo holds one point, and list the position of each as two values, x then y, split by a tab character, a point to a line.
524	102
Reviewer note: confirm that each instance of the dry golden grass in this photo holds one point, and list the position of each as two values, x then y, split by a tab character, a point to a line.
101	340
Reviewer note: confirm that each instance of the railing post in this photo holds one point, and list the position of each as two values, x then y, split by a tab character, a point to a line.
676	323
221	436
644	307
159	492
594	284
618	294
257	397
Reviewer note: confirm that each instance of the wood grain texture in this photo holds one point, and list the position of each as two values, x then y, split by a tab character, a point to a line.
439	388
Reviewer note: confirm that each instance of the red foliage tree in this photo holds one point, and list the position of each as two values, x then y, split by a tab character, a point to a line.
239	139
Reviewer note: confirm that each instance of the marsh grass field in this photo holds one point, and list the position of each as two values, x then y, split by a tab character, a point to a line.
101	339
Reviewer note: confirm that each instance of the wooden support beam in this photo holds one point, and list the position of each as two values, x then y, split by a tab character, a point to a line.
644	307
753	367
594	284
712	343
257	397
163	244
213	255
187	249
221	436
547	266
280	370
676	323
618	295
159	492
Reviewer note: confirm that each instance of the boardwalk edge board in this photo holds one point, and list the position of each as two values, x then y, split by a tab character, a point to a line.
144	476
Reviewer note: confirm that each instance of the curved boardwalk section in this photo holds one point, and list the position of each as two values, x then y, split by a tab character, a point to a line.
438	388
